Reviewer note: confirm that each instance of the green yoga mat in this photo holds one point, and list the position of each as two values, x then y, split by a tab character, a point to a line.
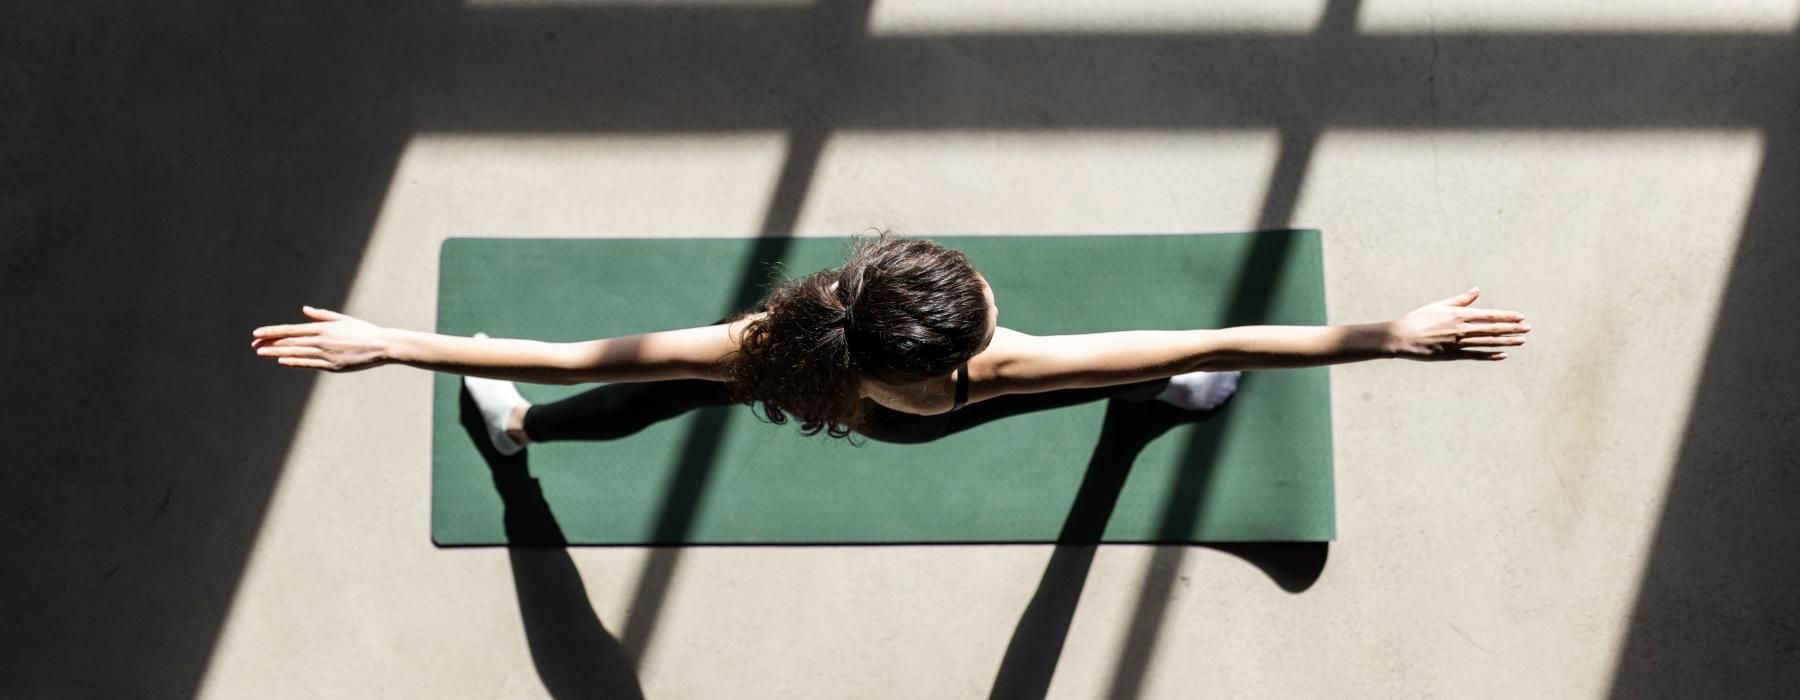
1258	469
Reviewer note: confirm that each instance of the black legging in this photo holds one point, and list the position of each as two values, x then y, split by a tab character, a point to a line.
616	410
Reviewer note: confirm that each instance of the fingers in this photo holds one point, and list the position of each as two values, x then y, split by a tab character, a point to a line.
1476	355
299	329
291	345
293	351
1490	329
1488	342
322	314
1490	316
295	340
1465	298
302	356
306	362
286	331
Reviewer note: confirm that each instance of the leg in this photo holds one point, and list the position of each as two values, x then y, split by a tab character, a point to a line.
615	410
883	424
1194	391
1011	405
604	413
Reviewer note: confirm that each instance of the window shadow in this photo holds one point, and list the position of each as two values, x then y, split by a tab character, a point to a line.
642	69
1718	607
575	656
1035	649
177	178
1131	422
1248	305
693	470
170	179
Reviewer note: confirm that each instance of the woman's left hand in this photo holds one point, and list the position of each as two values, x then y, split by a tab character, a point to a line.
334	342
1452	330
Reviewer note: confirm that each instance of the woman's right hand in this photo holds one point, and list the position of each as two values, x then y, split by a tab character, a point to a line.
1452	330
333	342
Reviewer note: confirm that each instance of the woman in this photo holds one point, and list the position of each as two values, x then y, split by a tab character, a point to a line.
897	344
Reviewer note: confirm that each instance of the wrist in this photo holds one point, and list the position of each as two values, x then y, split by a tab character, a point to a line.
394	345
1390	340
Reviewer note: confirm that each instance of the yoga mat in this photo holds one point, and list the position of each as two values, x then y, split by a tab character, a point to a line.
1259	469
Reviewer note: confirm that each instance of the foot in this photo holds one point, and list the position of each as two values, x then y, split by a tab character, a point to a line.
502	408
1199	391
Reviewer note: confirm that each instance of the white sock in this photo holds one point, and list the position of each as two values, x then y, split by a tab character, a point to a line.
1199	391
497	399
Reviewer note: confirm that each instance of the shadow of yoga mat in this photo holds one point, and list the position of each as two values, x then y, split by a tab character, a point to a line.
1011	480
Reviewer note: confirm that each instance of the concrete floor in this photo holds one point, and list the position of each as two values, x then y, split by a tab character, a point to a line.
1607	514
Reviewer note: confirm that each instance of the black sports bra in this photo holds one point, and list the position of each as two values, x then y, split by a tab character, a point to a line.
962	386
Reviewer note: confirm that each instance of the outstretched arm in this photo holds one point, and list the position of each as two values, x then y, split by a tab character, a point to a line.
335	342
1447	330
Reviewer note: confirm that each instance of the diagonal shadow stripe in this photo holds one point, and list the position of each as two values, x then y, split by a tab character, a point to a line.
1035	649
1248	305
1718	606
1036	646
571	650
693	471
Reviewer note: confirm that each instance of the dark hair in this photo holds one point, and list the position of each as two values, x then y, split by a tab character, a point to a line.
904	310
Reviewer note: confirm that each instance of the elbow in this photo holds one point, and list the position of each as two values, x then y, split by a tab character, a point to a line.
568	365
1211	351
1212	362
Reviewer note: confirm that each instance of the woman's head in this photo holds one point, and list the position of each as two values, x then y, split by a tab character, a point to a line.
899	311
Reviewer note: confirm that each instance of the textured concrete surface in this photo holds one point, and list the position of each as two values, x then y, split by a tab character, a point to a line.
1608	514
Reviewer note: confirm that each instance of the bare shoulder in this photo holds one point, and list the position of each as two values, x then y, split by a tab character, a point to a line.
711	346
992	373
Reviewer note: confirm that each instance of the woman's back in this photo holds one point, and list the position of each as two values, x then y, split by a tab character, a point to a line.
929	396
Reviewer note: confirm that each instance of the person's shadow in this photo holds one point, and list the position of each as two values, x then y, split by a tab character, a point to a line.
576	656
1129	426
